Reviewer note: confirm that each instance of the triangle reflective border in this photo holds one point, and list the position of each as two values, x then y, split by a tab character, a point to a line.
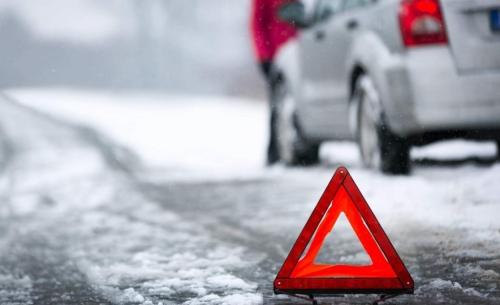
300	274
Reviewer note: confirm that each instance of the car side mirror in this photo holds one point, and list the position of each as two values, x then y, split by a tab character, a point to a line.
294	13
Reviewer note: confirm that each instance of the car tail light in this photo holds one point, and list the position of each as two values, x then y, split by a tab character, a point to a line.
422	23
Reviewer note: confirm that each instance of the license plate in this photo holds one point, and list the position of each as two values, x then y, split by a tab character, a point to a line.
495	20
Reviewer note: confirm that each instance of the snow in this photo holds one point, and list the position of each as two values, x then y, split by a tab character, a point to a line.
242	299
60	186
199	135
439	286
15	290
164	258
452	208
209	136
228	281
454	150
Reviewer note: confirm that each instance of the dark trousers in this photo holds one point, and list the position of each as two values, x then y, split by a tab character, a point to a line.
273	82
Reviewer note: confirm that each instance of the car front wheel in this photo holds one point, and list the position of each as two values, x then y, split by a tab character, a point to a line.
379	147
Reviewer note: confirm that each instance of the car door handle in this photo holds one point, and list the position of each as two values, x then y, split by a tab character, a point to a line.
320	35
352	24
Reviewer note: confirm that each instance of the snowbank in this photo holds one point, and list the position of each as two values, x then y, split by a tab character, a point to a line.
215	136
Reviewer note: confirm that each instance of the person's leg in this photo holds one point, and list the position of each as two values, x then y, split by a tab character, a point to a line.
273	149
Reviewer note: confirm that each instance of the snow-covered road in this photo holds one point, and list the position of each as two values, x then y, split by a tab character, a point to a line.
175	207
75	228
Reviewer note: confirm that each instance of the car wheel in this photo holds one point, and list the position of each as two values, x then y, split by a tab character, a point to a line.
498	149
379	147
293	147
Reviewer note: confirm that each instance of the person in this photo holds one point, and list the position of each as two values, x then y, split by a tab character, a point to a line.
269	33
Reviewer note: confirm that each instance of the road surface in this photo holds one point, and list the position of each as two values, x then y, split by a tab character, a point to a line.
83	221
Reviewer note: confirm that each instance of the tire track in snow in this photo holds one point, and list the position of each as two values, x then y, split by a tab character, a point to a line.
30	255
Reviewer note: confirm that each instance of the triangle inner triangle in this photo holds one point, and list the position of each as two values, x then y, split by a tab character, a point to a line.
342	246
307	266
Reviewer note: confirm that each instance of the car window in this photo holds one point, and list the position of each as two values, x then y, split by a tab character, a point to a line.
351	4
325	8
333	5
309	6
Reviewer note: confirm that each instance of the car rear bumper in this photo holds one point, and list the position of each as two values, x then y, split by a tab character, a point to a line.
423	92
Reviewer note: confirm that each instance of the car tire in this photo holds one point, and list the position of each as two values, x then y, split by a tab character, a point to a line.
498	149
293	148
379	147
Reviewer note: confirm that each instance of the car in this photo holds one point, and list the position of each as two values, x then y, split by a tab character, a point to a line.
390	74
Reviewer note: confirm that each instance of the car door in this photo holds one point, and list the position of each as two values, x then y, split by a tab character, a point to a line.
323	52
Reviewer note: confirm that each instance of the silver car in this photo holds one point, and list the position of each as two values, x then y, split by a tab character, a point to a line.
389	74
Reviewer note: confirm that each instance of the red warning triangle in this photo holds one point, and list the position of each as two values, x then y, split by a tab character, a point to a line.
301	274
